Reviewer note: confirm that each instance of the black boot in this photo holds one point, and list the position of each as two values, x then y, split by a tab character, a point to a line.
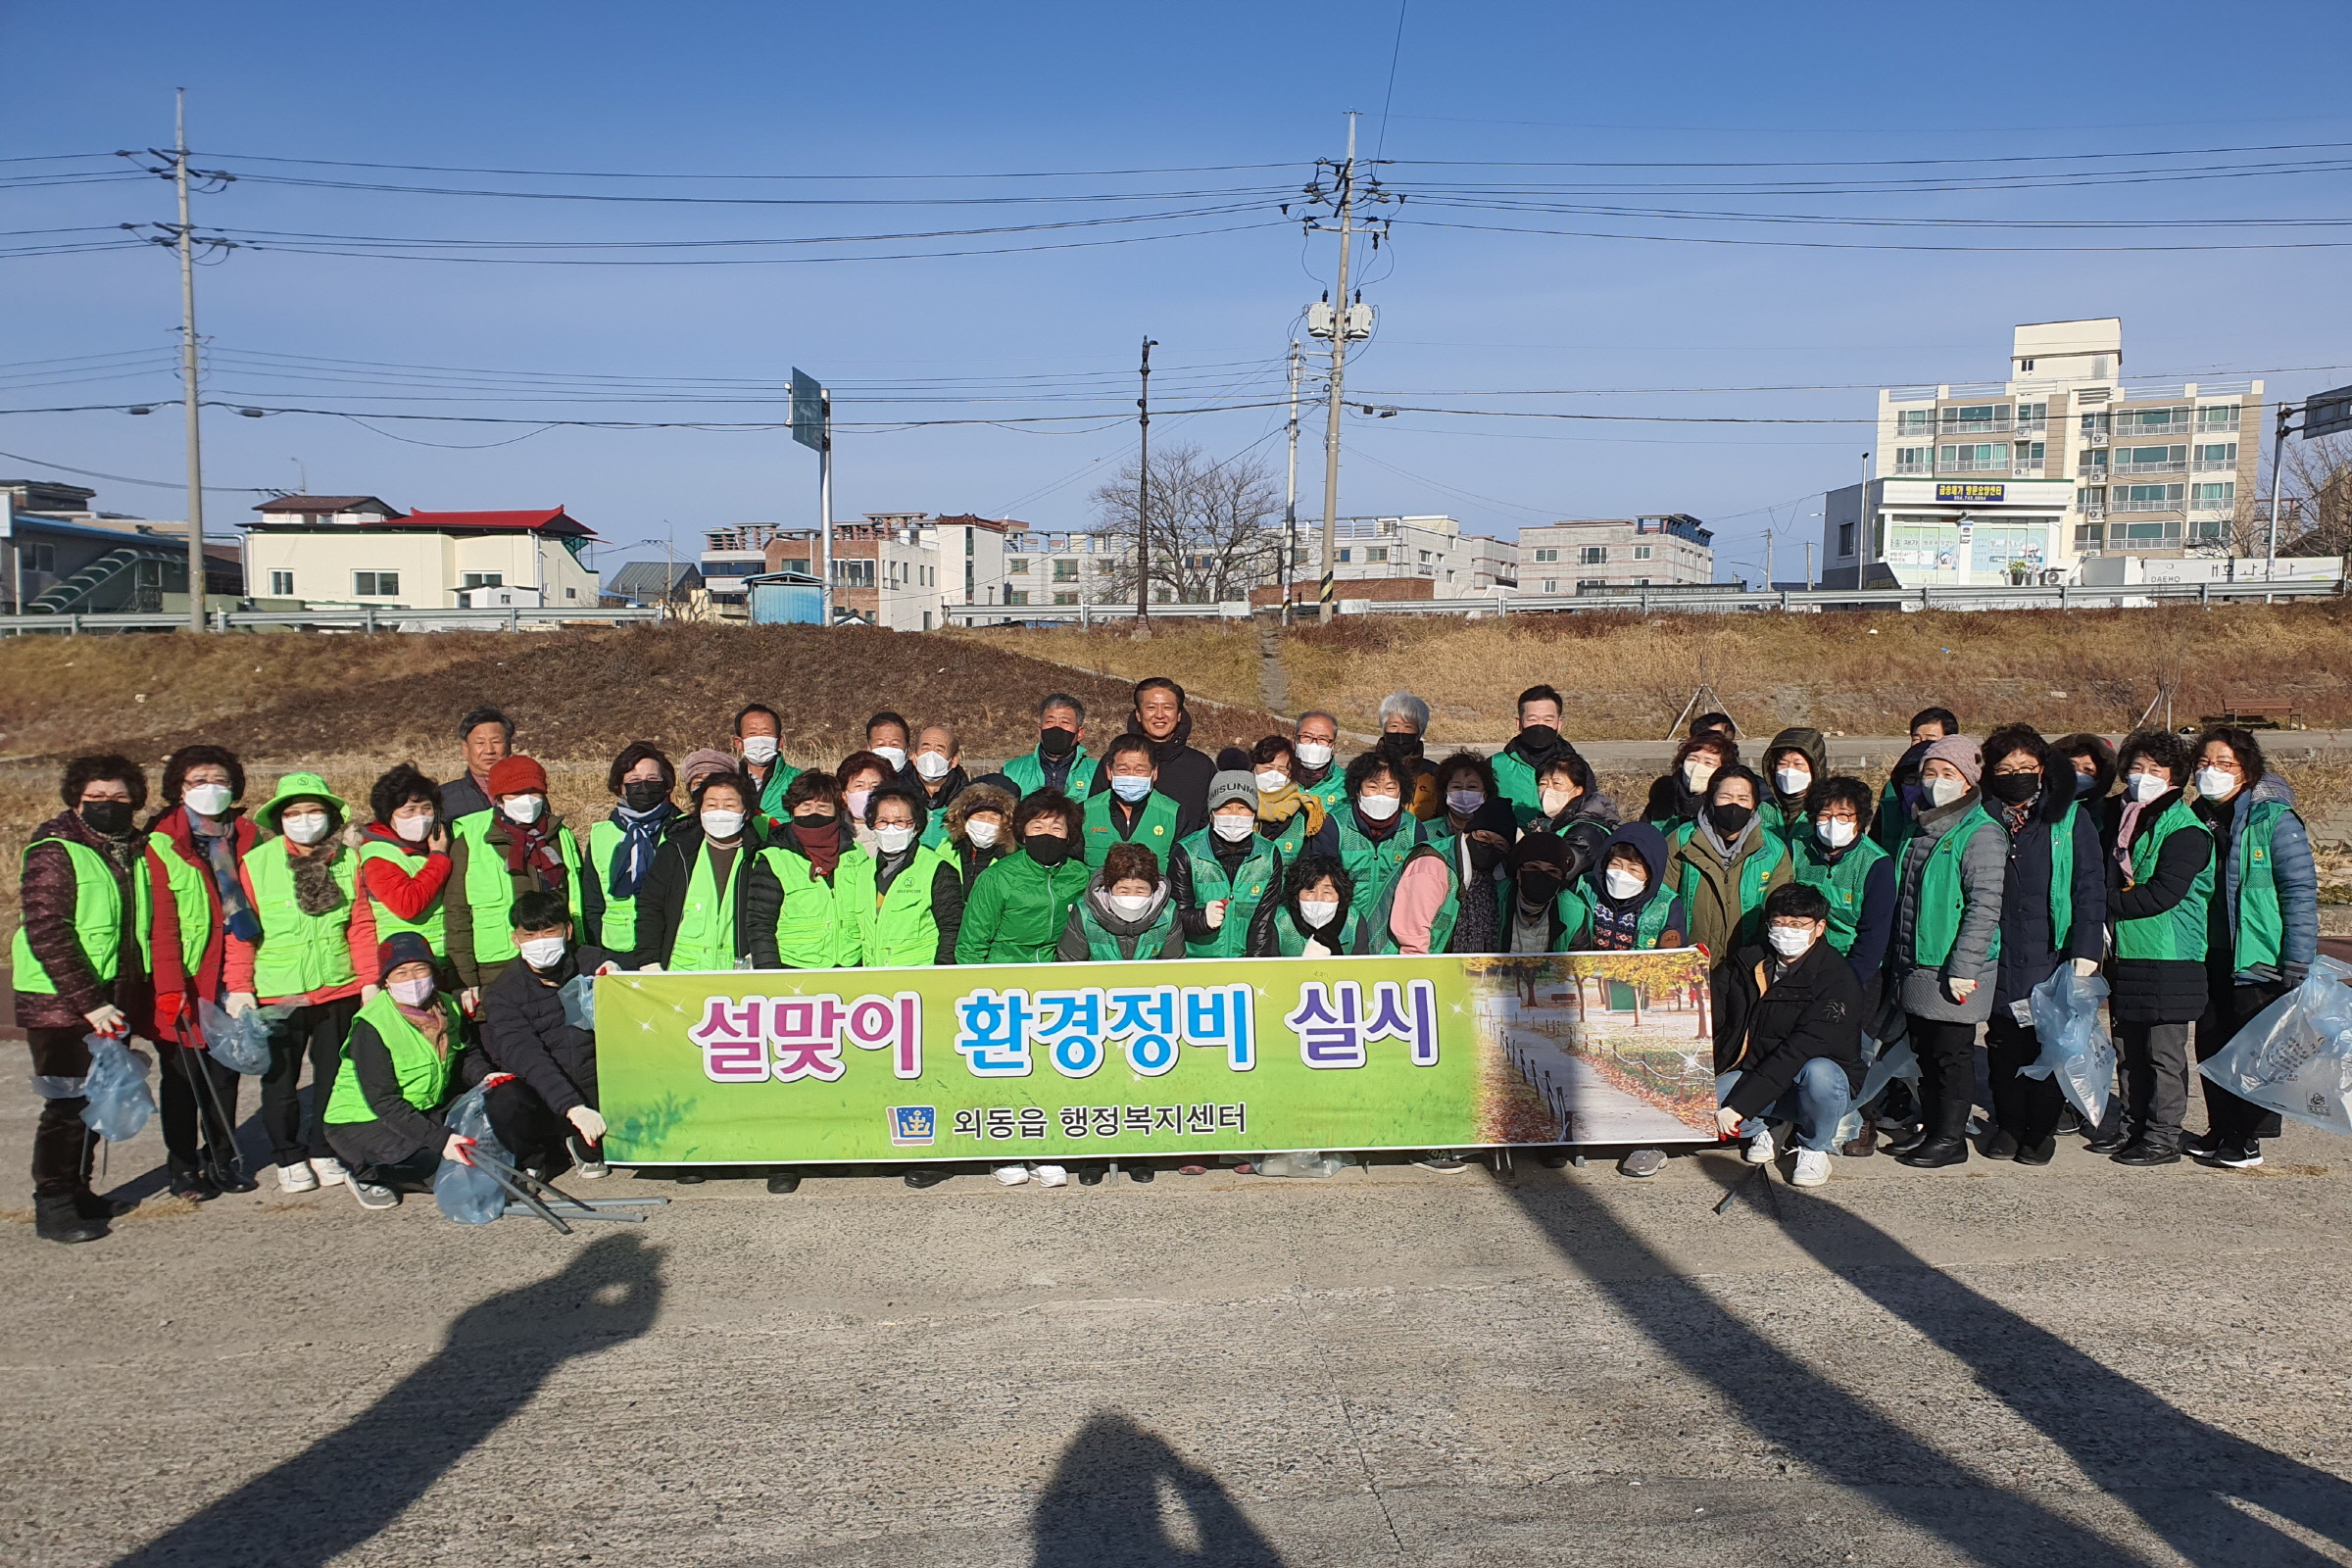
2040	1154
56	1217
192	1182
1946	1143
2000	1144
92	1206
1911	1138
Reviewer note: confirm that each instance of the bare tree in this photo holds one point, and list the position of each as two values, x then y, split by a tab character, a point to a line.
2315	515
1209	537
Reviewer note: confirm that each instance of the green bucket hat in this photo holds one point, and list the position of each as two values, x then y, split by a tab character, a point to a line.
299	786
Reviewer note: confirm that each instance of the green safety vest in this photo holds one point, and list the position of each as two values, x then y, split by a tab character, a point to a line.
1373	864
1028	771
1580	901
97	919
1155	825
1941	900
1333	791
618	931
2180	931
2062	880
1377	937
1754	872
1259	874
1102	947
434	927
1291	942
490	889
2261	920
1290	839
299	954
897	927
705	936
1841	881
1515	782
422	1074
815	928
780	775
191	903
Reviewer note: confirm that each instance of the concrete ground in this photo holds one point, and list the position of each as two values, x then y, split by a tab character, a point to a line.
1990	1365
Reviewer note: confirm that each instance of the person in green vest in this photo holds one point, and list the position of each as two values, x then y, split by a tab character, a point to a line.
519	846
1794	759
1130	810
759	735
1522	758
1219	876
1626	903
1949	869
979	834
403	857
908	898
1899	802
1465	782
620	849
1679	795
1314	917
1376	833
1453	891
315	955
1834	851
1125	913
1294	821
1060	762
78	967
1319	773
402	1065
2264	929
688	913
794	911
938	768
2160	891
1724	864
1018	907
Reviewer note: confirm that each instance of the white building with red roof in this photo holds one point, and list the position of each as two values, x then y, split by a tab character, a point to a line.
355	550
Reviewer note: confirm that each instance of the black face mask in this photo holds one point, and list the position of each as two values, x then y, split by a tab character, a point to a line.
1483	858
1403	747
1540	740
1047	850
1057	742
1538	886
2014	787
111	818
1730	817
644	794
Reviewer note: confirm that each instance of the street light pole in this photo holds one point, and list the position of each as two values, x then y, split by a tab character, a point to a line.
1142	491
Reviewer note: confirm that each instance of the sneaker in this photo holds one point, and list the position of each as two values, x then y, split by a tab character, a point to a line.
2147	1152
588	1163
297	1178
1761	1150
2200	1146
1053	1176
331	1172
2243	1153
371	1195
1643	1163
920	1179
1141	1174
1440	1161
1812	1167
1012	1175
783	1182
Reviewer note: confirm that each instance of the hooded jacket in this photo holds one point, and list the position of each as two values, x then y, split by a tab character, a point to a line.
1610	923
1073	947
1786	814
2294	875
1184	773
1775	1026
1720	919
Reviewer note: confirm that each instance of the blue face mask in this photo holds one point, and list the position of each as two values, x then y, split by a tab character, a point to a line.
1130	787
2084	783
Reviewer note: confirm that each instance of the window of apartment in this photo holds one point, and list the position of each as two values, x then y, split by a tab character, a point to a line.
572	593
1065	599
2150	460
1019	567
1106	568
2147	497
2090	457
2223	417
483	580
2096	423
374	584
1914	460
2218	455
281	585
2033	416
1845	541
1969	457
2032	453
1016	596
1641	582
2090	535
1547	555
2221	497
1976	416
1594	556
1640	552
1343	555
1915	422
1425	557
1376	551
853	574
1065	572
2150	422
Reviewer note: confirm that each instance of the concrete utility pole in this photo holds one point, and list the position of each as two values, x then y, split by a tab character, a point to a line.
187	366
1290	499
1142	491
2286	412
824	511
1345	197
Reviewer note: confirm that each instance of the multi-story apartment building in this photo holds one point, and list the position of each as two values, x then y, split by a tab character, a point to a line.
1595	554
2022	480
897	570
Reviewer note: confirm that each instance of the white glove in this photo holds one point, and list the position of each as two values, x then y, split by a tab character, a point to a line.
1727	1120
591	1126
470	1000
241	1003
2085	968
1215	912
1314	950
107	1019
649	968
1961	990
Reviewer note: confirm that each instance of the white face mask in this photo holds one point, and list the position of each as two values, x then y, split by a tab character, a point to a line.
303	827
1944	791
411	993
207	800
895	756
1315	754
759	749
541	952
982	834
1233	829
1463	802
414	829
2215	785
1836	831
894	839
1696	775
1553	802
2145	787
932	766
1622	883
856	801
1130	787
1318	913
1378	808
721	825
1272	780
1793	780
1130	905
523	808
1788	940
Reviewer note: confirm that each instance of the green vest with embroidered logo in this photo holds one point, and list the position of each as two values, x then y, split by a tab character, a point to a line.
422	1074
1941	900
435	924
1841	881
1290	941
816	926
1103	946
1377	937
2261	919
1581	899
1028	773
299	954
705	936
1288	840
1373	863
1155	825
97	919
617	932
191	906
2179	933
1259	874
1754	872
490	887
897	927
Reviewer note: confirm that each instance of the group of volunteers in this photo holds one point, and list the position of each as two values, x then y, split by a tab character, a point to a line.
416	946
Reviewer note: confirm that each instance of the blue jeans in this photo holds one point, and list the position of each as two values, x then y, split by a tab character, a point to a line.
1816	1105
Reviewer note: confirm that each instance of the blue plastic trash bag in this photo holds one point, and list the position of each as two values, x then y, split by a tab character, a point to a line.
240	1043
119	1100
578	997
2074	1044
2295	1056
469	1193
1896	1059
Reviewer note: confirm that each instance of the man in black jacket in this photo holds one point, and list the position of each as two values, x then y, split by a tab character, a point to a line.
547	1110
1161	718
1794	1021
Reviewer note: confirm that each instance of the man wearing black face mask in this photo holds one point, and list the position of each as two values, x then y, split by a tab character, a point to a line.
1518	764
78	971
1723	865
1061	761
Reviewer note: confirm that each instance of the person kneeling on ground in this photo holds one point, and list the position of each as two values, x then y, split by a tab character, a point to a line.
404	1063
1797	1012
548	1111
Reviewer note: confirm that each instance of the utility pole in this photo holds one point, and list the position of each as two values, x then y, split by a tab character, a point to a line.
824	508
2278	467
187	366
1289	500
1768	561
1345	197
1143	492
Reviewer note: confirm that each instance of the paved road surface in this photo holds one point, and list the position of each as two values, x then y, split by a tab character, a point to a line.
2081	1365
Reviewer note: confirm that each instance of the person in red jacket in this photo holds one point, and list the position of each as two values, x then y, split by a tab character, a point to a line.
403	863
196	899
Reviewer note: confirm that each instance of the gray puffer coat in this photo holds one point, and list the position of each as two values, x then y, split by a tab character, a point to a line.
1984	865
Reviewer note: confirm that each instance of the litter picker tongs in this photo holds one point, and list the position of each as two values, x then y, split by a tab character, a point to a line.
525	1189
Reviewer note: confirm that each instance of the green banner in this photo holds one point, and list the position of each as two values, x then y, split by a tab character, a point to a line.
1106	1060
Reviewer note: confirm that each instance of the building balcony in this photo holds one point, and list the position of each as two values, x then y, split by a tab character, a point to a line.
1920	469
2091	508
1974	428
2181	466
2217	466
2125	504
1972	465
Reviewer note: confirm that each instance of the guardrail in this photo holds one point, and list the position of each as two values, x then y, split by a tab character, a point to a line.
364	618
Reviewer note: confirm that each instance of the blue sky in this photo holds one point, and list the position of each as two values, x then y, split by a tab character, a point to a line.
1242	97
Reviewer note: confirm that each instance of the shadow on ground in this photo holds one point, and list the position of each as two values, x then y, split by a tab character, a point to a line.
1110	1501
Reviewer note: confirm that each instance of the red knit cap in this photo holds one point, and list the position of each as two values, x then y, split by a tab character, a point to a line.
516	775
